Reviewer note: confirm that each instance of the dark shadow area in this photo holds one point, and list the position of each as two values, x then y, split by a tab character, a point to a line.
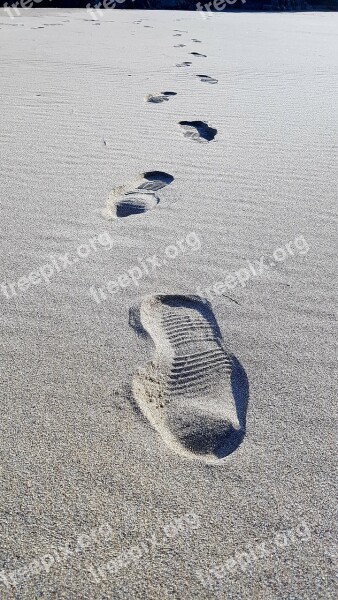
240	392
205	132
125	209
135	322
160	176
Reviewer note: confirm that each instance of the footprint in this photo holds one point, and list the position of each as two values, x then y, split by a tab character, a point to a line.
198	131
207	79
179	46
184	64
155	99
137	196
197	41
198	54
162	97
193	392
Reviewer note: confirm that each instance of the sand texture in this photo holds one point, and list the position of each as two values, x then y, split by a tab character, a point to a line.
168	316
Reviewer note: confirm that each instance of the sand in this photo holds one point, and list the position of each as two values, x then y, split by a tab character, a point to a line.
221	189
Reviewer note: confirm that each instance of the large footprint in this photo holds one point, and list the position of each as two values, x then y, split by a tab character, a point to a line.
137	196
198	131
190	390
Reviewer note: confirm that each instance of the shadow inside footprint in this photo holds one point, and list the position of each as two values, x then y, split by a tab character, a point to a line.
184	64
198	54
155	180
193	392
240	392
135	204
199	131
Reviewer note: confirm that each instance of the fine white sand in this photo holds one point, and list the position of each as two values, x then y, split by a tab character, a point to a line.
234	165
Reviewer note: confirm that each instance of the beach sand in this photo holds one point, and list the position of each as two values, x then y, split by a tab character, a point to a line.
208	213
